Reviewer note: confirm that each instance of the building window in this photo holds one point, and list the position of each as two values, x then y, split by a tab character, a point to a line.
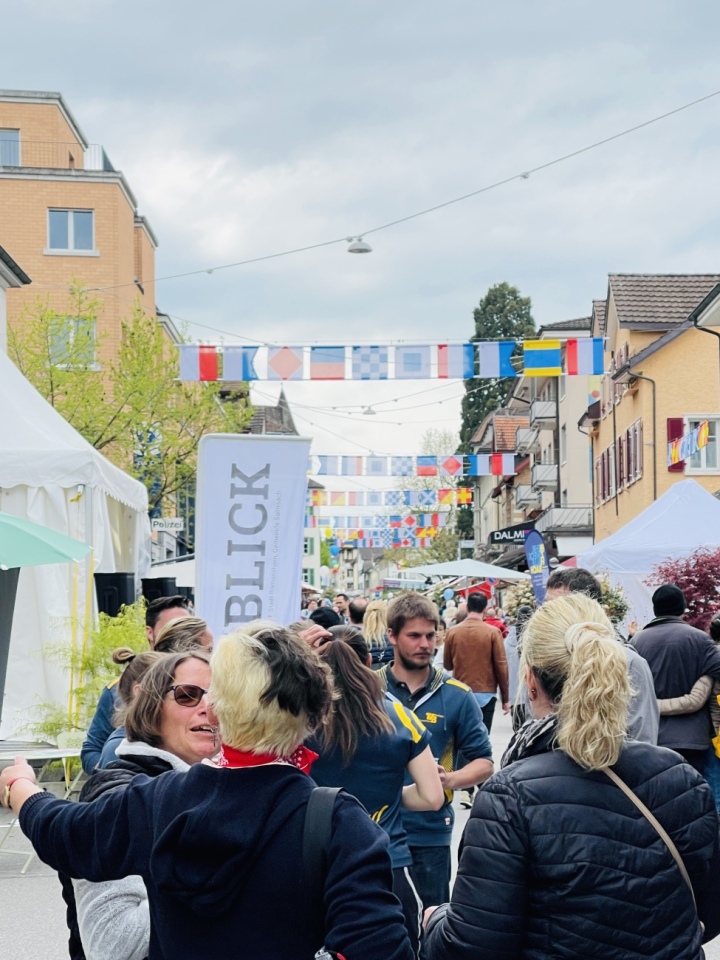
71	230
308	547
705	460
308	575
9	148
72	342
561	386
563	444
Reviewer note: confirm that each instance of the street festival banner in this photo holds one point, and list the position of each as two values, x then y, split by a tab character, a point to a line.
250	528
684	447
537	561
422	465
422	361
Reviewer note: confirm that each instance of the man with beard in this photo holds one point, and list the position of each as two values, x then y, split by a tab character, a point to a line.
448	710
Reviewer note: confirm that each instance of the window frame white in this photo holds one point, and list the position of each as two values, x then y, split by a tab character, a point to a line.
695	419
70	250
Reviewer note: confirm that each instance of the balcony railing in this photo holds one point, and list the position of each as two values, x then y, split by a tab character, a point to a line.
569	519
544	476
543	413
526	496
527	440
51	155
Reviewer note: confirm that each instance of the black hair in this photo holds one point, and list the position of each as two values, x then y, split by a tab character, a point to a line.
668	601
576	580
476	602
326	617
714	628
158	606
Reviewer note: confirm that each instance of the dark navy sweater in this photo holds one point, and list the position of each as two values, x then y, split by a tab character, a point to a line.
220	852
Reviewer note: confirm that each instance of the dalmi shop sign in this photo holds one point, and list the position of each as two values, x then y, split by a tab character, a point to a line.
250	527
510	536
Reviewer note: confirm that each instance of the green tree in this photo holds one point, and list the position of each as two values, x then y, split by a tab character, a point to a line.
131	407
502	314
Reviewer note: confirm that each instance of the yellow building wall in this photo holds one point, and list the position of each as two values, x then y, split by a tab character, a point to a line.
687	377
46	138
24	203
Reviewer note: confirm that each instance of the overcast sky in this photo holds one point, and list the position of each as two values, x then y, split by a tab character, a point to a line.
245	129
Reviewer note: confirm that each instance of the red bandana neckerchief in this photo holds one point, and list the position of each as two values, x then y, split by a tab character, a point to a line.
302	758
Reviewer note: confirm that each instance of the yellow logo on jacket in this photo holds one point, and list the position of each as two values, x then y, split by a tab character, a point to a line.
434	717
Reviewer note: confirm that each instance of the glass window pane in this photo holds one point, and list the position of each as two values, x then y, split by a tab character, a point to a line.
58	229
10	148
83	230
84	345
711	452
60	340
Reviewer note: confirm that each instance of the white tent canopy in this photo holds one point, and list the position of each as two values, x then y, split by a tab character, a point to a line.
681	520
51	475
467	568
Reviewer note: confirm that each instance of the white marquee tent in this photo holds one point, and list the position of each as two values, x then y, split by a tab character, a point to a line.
53	476
681	520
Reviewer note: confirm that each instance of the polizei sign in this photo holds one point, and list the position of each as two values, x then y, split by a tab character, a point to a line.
250	527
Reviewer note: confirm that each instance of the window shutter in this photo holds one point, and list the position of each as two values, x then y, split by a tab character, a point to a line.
675	429
619	460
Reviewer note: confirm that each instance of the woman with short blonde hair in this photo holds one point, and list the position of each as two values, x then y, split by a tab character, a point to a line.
557	859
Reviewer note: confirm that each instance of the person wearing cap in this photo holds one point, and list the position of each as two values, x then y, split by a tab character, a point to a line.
678	655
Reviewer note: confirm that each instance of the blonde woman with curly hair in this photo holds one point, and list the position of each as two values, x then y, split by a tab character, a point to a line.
557	859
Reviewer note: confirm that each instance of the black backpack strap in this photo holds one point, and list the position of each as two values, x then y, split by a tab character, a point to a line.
317	834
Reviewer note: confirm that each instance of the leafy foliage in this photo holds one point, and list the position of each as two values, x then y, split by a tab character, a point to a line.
698	576
132	408
502	314
613	599
88	661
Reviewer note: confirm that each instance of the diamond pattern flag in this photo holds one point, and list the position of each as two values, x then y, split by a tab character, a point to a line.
370	363
412	362
285	363
456	361
327	363
452	466
238	363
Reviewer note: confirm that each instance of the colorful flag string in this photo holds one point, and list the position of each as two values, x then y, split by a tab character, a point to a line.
461	361
452	465
451	497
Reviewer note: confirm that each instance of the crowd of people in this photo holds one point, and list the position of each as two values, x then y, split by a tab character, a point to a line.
287	791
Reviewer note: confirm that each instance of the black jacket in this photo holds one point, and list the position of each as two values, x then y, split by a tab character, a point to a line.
678	655
116	775
558	863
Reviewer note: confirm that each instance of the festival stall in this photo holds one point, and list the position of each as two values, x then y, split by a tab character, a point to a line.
681	520
51	475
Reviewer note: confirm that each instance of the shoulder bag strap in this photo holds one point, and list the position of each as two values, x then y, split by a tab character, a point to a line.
631	795
317	834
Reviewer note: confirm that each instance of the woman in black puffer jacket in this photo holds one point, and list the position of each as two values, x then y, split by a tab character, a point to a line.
556	861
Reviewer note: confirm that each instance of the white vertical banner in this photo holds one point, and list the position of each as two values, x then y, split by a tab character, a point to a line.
250	512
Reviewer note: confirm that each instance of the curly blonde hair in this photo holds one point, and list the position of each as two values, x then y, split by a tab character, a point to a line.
571	648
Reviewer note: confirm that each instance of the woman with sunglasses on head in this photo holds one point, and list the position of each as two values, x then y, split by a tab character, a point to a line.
220	848
166	728
379	752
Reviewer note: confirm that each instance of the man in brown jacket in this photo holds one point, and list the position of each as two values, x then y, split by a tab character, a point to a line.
475	653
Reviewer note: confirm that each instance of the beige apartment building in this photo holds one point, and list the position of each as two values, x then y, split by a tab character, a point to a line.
662	378
68	215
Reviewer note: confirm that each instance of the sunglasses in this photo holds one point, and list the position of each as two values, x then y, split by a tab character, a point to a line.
187	694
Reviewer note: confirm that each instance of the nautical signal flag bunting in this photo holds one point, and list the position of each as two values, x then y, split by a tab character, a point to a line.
460	361
454	465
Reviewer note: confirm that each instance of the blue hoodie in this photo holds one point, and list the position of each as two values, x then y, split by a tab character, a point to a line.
220	852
